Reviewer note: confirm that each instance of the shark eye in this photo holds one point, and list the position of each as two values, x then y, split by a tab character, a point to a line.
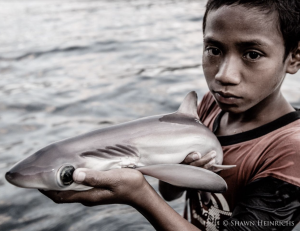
65	175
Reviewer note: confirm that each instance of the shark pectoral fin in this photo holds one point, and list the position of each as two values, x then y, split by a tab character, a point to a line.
218	167
186	176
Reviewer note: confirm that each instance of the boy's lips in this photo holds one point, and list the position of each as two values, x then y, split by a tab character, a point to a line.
226	97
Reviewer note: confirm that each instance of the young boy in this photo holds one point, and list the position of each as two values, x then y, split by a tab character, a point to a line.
249	46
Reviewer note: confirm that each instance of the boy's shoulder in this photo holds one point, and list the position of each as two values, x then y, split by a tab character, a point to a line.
290	134
208	110
285	129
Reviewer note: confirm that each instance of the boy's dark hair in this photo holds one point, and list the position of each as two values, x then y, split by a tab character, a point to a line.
288	12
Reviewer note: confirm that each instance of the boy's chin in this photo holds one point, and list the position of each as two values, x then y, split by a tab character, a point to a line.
232	108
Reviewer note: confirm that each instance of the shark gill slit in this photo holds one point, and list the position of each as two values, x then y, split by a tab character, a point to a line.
129	150
111	151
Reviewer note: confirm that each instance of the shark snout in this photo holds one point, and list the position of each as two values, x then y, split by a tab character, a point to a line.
11	177
25	176
17	179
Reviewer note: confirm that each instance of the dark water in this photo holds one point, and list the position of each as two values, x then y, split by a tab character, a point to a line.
68	67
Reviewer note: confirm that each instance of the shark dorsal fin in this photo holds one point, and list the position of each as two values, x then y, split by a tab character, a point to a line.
189	105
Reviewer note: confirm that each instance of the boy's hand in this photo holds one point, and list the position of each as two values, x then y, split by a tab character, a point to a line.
116	186
123	186
196	159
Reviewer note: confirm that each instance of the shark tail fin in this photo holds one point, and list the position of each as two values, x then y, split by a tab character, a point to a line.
186	176
218	167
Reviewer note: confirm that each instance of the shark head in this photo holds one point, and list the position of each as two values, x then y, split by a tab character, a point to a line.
49	169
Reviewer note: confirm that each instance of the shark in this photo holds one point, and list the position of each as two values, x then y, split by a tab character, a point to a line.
154	145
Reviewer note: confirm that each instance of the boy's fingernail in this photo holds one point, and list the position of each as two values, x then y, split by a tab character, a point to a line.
210	163
195	156
79	177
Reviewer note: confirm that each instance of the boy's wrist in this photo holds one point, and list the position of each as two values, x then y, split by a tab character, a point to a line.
140	196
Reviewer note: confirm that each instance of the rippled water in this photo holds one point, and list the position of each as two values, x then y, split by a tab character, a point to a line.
68	67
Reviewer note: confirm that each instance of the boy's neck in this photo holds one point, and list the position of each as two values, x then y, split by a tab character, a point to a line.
265	112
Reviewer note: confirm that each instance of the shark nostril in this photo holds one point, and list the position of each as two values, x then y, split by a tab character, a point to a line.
66	175
8	176
13	178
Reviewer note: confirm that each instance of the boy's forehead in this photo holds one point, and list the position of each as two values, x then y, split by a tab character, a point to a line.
243	22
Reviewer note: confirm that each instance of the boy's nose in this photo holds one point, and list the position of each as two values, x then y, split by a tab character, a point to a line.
229	72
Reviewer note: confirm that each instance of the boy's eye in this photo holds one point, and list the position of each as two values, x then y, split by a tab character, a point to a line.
213	51
252	55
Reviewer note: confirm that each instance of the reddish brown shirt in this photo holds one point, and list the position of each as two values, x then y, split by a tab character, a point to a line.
270	150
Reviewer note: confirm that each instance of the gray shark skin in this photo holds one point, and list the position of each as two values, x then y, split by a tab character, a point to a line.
153	145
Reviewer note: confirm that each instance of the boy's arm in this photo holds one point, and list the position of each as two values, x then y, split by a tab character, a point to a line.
123	186
170	192
269	203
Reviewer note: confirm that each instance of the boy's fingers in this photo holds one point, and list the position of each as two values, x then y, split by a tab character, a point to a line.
193	156
205	197
211	163
60	197
90	197
205	160
93	178
104	184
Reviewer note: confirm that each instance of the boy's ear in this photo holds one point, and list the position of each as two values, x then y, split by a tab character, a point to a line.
294	61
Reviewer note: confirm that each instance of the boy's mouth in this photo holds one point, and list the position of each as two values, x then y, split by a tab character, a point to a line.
226	94
226	97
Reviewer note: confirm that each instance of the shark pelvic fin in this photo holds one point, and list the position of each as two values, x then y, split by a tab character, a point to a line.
186	176
189	105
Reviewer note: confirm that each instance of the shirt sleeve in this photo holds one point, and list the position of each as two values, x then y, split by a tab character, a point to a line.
266	204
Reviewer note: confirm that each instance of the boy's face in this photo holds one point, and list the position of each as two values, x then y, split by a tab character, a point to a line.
243	57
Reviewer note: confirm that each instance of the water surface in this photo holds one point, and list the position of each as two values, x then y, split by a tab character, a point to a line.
68	67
